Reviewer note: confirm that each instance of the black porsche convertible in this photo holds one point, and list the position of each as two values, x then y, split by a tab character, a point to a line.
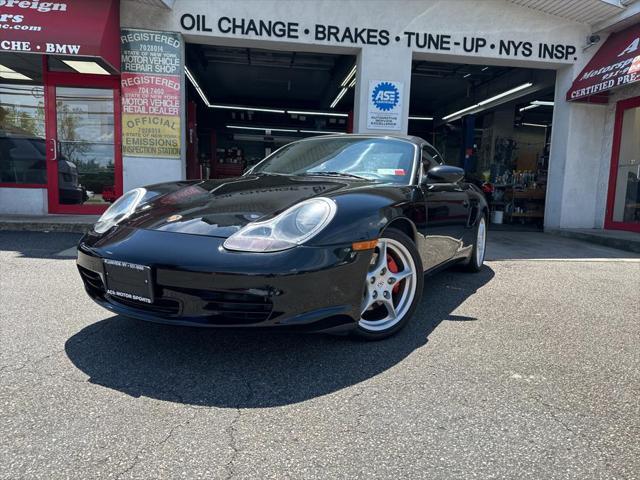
331	233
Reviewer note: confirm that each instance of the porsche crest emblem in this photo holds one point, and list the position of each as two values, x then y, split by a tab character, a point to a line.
174	218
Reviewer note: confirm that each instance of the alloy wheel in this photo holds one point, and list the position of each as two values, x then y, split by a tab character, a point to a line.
481	242
390	286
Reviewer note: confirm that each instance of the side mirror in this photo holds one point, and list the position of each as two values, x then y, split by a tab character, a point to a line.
444	174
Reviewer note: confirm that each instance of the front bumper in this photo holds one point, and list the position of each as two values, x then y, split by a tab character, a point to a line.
197	282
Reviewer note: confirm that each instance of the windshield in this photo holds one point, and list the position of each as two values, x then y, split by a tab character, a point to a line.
382	159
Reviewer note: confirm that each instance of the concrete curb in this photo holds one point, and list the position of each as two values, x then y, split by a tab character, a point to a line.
45	227
630	243
47	223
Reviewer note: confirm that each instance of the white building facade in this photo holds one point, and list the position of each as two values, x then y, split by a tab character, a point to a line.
386	37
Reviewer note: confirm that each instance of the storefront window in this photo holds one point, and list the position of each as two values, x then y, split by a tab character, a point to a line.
22	143
86	155
626	207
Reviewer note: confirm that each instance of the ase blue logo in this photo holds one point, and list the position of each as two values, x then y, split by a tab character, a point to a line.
385	96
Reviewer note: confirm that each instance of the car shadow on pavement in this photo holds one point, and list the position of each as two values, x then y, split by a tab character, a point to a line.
254	368
51	246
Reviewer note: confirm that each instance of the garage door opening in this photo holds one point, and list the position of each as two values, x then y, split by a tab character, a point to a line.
243	103
495	122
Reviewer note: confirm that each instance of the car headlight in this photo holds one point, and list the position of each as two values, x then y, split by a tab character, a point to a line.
119	210
292	227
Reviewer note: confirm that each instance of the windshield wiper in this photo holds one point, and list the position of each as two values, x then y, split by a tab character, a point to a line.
336	174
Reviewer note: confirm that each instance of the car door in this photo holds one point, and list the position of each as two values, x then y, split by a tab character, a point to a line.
447	207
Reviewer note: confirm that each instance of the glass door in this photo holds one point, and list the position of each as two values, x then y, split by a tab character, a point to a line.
85	173
623	206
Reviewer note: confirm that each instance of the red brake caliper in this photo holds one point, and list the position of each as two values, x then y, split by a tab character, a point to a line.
393	268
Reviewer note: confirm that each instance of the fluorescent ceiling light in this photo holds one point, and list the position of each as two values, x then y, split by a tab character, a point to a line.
204	98
504	94
466	76
353	82
82	66
484	69
9	73
459	113
196	86
529	107
420	118
247	109
540	102
265	129
327	114
338	97
347	79
322	131
535	125
14	76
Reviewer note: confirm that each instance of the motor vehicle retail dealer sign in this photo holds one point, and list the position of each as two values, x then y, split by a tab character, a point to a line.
385	105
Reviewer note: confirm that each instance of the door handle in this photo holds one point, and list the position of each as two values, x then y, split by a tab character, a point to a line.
54	149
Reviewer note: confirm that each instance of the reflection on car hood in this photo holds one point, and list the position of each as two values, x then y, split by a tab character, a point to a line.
221	207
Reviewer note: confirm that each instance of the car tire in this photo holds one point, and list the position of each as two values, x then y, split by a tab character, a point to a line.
476	260
392	289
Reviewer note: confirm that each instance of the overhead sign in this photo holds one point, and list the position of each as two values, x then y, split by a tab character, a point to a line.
151	93
385	105
71	28
437	42
617	63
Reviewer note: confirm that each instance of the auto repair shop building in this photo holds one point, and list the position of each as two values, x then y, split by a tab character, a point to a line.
538	99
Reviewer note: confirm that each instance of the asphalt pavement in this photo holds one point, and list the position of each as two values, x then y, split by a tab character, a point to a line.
529	369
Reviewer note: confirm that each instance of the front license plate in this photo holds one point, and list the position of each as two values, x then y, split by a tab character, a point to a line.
128	280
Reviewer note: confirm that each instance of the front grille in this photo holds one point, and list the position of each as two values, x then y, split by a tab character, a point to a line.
208	306
92	281
227	308
160	306
95	286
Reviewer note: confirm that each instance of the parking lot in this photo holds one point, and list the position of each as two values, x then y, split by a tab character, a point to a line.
529	369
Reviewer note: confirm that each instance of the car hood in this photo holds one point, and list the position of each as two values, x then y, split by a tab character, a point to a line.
219	208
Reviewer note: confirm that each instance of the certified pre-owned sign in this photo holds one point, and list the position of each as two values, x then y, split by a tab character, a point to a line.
617	63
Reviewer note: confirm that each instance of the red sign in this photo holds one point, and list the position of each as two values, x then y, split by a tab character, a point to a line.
150	94
70	28
617	63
